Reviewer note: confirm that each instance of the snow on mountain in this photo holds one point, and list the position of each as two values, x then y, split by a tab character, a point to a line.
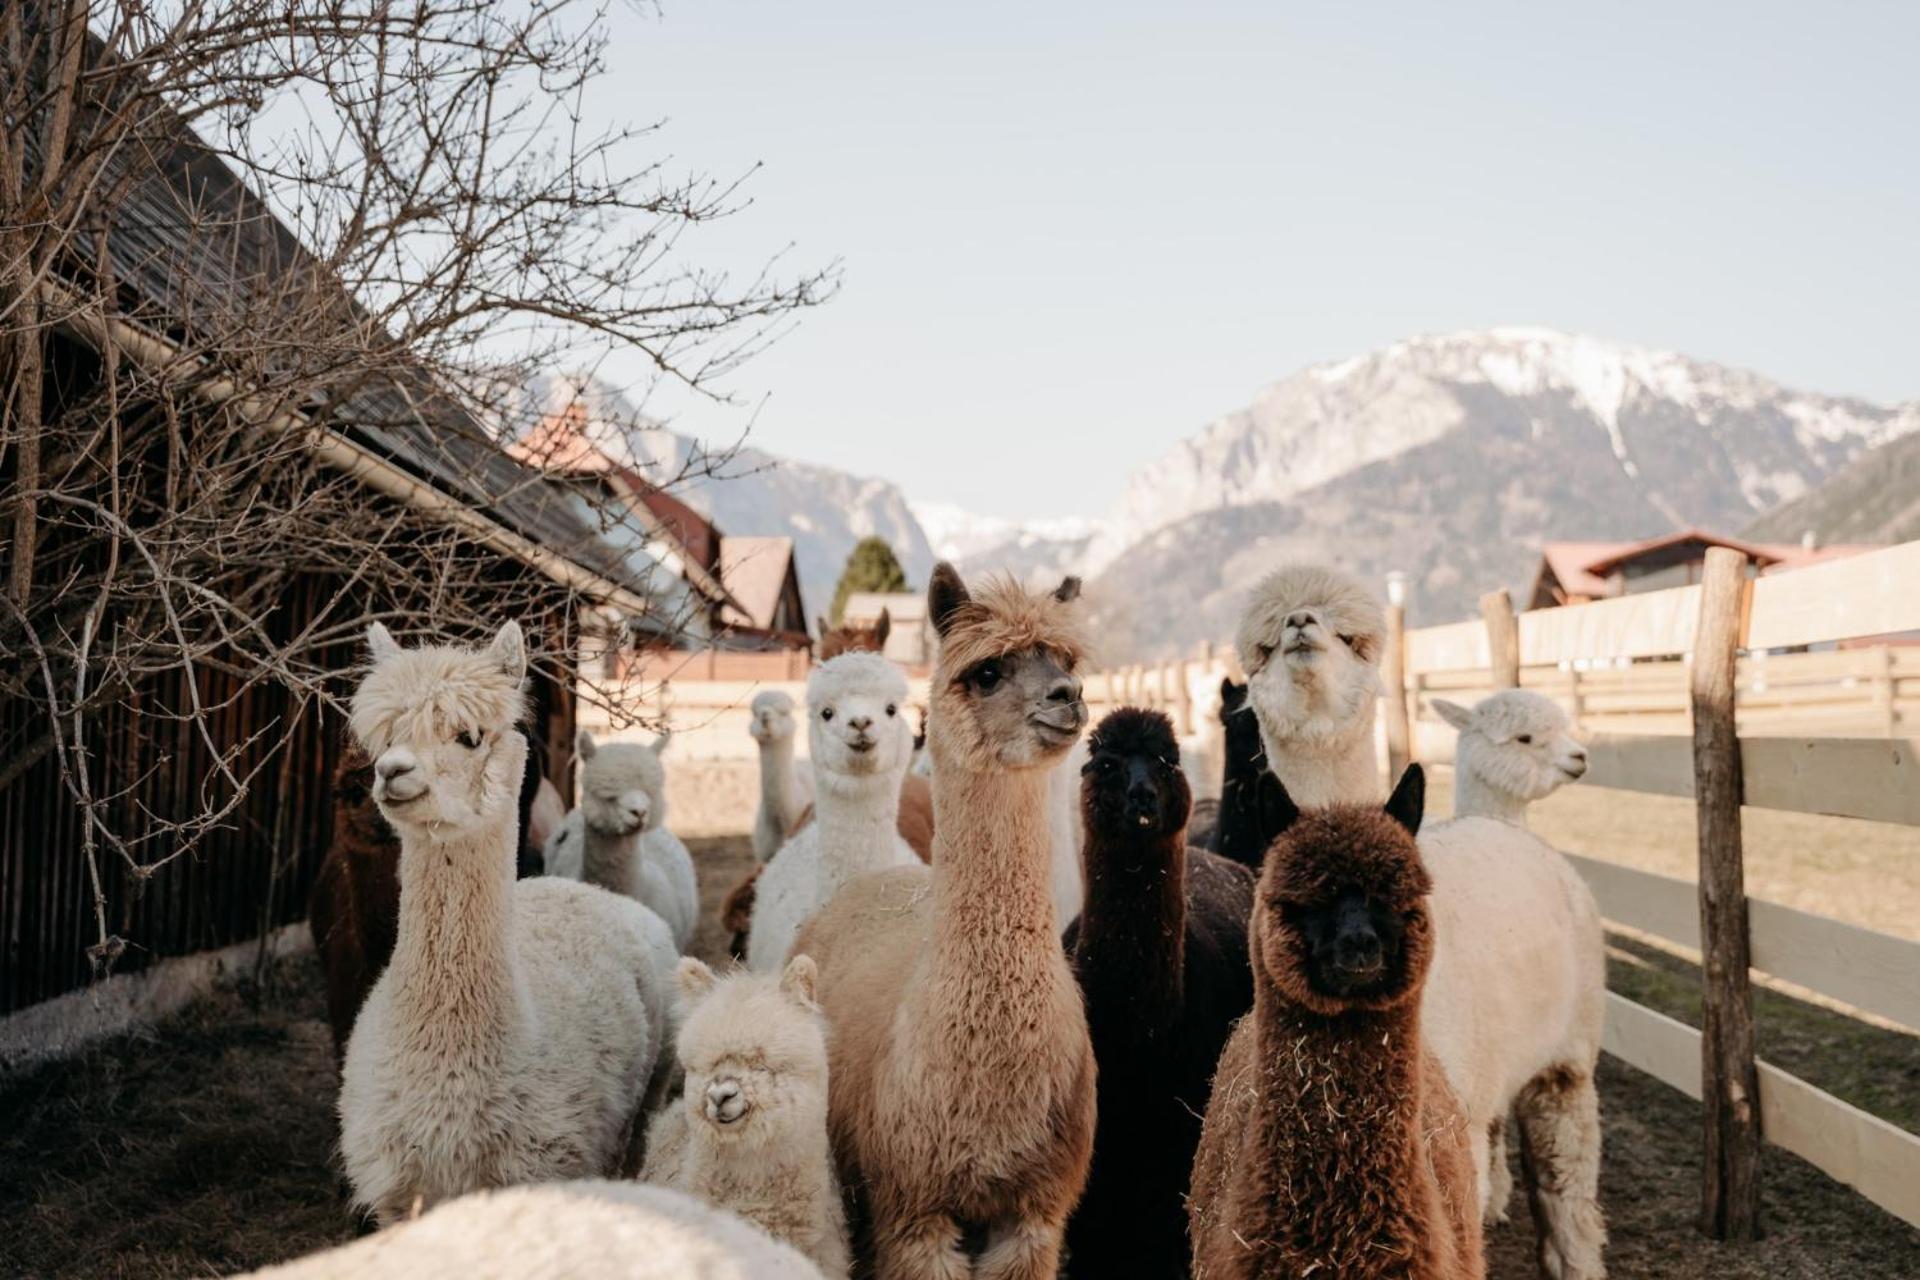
1027	549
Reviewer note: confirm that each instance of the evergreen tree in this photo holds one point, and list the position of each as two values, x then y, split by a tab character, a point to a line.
870	567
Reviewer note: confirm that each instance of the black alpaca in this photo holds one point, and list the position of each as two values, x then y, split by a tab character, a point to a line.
1160	949
1234	829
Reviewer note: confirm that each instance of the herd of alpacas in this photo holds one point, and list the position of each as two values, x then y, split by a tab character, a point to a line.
1006	1005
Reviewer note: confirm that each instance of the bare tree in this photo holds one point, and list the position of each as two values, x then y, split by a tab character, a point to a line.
265	264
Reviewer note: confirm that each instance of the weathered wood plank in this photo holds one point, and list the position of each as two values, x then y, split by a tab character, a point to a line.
1503	638
1864	595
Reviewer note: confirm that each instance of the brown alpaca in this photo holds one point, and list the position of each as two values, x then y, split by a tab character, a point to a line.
355	909
961	1099
851	638
1333	1145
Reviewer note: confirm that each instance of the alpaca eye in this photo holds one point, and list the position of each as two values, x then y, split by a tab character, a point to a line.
471	738
826	713
1347	641
892	710
986	677
1525	739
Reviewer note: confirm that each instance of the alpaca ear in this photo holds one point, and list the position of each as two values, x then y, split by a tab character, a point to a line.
1274	810
797	982
946	593
1068	591
882	629
584	745
1233	695
380	642
1409	799
820	621
660	743
509	649
1453	713
695	979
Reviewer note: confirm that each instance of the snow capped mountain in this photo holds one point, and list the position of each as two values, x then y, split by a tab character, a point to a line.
1020	546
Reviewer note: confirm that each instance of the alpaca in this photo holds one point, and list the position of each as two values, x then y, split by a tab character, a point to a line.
1333	1144
561	1231
617	836
961	1075
509	1038
860	743
749	1134
1515	747
1161	953
1235	832
354	908
850	637
782	790
1065	883
1516	1000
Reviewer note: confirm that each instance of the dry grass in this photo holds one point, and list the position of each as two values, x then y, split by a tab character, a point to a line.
205	1148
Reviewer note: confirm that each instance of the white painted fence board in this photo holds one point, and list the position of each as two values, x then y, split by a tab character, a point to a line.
1658	764
1879	1160
1457	646
1865	595
1647	625
1656	904
1873	778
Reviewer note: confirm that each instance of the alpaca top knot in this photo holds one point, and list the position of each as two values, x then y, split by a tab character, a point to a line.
1000	616
1136	731
438	691
1295	601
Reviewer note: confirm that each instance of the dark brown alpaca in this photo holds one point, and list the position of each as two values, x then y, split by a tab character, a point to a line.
1160	949
1333	1145
851	638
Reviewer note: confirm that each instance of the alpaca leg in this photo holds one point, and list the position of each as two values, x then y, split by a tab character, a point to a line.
917	1247
1559	1116
1025	1250
1499	1173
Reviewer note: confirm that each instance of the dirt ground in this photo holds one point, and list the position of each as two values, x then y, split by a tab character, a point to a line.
205	1147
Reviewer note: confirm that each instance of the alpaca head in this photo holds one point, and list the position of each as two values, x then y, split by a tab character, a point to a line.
1241	727
1310	641
856	719
1517	742
357	824
772	718
439	724
623	788
1340	917
1132	784
851	637
754	1049
1004	691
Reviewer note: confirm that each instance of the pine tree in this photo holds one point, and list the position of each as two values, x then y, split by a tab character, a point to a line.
870	567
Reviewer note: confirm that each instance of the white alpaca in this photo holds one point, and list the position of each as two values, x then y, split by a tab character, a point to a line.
749	1134
617	836
511	1035
562	1231
783	792
859	738
1515	747
1515	997
1066	835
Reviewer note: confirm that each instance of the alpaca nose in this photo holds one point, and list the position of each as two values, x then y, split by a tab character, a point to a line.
393	766
1064	691
860	724
724	1102
1359	949
1301	618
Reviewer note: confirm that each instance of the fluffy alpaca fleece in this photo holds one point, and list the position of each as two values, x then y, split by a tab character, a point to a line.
1333	1145
1515	1001
562	1231
1515	747
1161	954
510	1037
961	1081
1310	642
618	838
783	794
1235	830
860	742
749	1134
850	637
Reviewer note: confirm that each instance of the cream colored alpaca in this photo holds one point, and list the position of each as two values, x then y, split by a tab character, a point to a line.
562	1231
1514	747
783	792
750	1132
617	836
860	741
1515	999
961	1074
510	1037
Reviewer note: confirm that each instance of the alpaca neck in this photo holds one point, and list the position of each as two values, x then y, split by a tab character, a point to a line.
856	819
779	787
612	862
992	872
457	995
1334	770
780	1162
1473	796
1131	952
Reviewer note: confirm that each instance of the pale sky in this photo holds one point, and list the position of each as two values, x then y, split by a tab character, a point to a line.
1074	234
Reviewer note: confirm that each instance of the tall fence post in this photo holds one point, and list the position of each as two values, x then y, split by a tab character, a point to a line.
1393	674
1729	1082
1503	638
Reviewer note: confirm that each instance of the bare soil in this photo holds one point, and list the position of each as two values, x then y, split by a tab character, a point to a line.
206	1146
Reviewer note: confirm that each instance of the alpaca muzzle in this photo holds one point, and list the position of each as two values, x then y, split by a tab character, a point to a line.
725	1103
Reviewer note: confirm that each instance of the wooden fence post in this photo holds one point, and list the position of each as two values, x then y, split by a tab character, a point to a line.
1729	1082
1393	674
1503	638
